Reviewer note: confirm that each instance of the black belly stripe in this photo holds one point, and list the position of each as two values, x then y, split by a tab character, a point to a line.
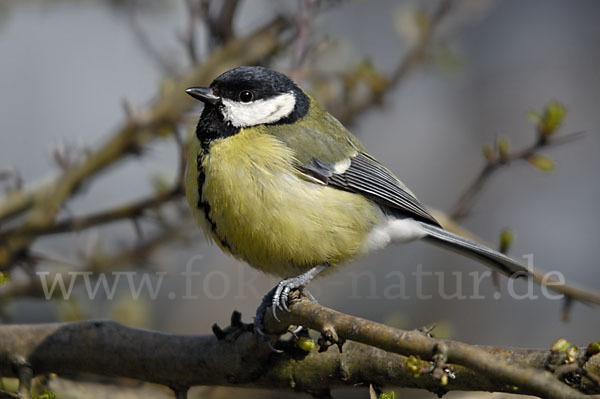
204	205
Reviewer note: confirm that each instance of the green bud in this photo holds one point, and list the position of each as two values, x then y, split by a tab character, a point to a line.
572	353
593	349
552	119
367	73
561	345
45	395
413	363
306	344
488	153
534	117
4	278
541	162
506	239
503	147
388	395
444	380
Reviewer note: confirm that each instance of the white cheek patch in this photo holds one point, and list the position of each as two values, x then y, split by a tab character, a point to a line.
257	112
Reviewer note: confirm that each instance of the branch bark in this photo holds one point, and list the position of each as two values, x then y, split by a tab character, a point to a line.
237	358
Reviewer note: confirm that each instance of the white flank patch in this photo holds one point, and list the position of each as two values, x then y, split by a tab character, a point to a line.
393	230
257	112
341	166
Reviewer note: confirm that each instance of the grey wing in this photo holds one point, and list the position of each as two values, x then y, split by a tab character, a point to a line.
363	174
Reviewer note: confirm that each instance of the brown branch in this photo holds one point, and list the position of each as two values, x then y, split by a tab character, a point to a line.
413	58
221	27
419	52
162	62
238	359
47	200
465	202
139	255
119	213
331	323
301	42
188	36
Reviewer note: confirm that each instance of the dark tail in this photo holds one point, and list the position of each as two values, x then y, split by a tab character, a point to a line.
496	260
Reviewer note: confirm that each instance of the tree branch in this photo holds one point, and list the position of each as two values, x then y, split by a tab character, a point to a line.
118	213
413	57
46	201
465	202
221	26
237	358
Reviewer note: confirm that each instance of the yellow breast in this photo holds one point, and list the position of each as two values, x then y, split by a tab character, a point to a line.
263	211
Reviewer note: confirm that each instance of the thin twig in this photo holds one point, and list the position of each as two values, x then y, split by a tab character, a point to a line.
413	57
465	201
138	256
419	52
119	213
164	65
301	42
25	375
221	27
128	211
188	37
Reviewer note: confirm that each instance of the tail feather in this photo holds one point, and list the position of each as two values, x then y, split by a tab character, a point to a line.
498	261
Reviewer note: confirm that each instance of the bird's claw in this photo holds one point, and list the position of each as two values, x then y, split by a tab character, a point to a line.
278	298
280	294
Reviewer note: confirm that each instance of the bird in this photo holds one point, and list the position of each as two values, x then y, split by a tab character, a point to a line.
279	183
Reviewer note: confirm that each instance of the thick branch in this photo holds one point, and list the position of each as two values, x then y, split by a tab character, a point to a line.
238	359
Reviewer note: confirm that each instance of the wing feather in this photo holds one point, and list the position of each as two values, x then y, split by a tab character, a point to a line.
368	177
331	146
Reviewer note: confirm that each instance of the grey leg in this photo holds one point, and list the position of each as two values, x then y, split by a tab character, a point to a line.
278	296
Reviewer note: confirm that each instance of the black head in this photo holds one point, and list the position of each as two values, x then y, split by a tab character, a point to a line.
248	96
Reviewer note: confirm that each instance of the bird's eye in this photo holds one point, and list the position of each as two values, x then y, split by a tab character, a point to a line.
246	96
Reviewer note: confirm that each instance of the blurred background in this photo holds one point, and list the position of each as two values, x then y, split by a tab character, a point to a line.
73	72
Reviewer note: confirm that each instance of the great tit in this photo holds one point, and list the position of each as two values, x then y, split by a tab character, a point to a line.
279	183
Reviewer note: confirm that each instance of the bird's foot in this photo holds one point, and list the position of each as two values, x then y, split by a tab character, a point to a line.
261	311
277	297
